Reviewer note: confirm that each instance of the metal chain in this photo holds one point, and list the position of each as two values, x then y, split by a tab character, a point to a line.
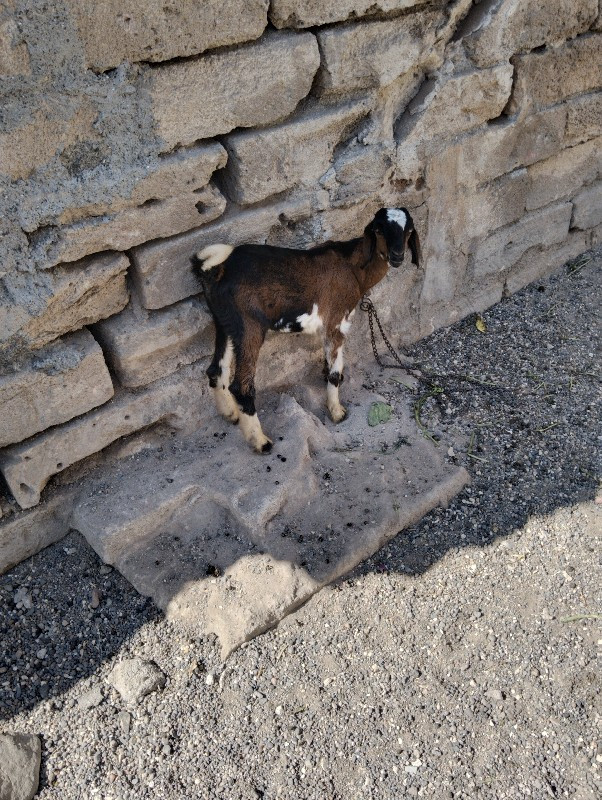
367	305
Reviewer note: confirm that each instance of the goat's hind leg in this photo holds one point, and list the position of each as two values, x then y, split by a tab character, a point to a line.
333	348
218	373
243	388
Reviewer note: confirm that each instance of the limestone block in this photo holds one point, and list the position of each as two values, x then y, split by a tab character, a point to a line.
538	262
80	293
518	26
597	25
24	534
546	227
41	135
28	466
14	56
374	53
584	118
361	171
491	206
20	759
542	79
448	106
155	30
306	13
252	85
563	175
172	175
587	207
269	160
131	226
504	147
141	347
162	271
66	378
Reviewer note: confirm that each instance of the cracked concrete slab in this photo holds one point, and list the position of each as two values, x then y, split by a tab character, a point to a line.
230	542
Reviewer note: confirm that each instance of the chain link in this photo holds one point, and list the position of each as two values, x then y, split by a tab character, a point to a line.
367	305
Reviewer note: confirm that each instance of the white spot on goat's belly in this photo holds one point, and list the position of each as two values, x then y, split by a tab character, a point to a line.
395	215
311	323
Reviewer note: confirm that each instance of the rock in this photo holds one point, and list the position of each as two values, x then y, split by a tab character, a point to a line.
125	720
305	13
76	295
584	118
62	380
90	699
24	534
134	678
562	176
587	207
20	758
155	31
162	271
492	205
130	227
141	347
269	160
542	79
269	79
546	227
448	106
14	56
374	53
27	467
518	26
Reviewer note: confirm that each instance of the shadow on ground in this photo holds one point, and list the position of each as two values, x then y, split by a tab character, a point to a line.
528	442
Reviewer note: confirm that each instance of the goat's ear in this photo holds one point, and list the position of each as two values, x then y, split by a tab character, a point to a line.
414	243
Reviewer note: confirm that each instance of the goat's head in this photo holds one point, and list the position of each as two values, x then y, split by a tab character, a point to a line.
393	230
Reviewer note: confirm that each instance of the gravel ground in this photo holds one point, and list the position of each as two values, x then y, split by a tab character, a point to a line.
459	662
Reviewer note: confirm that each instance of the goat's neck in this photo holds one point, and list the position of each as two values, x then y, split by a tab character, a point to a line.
368	268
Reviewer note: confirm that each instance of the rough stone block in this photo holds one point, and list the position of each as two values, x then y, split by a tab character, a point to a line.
563	175
66	378
269	160
501	148
14	56
538	262
448	106
171	175
132	226
542	79
587	207
547	227
162	271
584	118
79	294
374	53
155	30
518	26
253	85
20	759
24	534
306	13
141	347
361	171
28	466
492	206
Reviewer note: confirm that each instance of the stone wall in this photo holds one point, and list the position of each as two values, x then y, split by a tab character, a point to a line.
132	133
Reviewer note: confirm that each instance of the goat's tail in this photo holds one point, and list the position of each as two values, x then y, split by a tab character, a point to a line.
211	256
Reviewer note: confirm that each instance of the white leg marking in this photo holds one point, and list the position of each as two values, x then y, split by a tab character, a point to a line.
335	409
345	325
311	323
213	255
225	402
251	429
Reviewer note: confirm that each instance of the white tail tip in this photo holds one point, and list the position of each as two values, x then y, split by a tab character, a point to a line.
213	255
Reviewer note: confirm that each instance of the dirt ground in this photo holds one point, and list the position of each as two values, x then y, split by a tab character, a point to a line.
458	662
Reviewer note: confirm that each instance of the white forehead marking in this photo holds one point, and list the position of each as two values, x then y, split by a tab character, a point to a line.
395	215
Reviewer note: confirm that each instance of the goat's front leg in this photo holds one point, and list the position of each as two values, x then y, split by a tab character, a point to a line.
243	387
219	375
333	349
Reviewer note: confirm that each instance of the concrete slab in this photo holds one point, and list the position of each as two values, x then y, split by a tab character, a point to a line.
230	542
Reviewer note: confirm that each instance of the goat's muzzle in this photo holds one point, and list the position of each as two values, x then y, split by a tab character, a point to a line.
396	258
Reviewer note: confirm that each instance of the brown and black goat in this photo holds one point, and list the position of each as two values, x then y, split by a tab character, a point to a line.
251	289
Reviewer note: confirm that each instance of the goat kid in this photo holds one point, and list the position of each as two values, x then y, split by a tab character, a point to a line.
251	289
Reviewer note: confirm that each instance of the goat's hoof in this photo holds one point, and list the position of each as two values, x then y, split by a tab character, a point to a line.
267	447
337	414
